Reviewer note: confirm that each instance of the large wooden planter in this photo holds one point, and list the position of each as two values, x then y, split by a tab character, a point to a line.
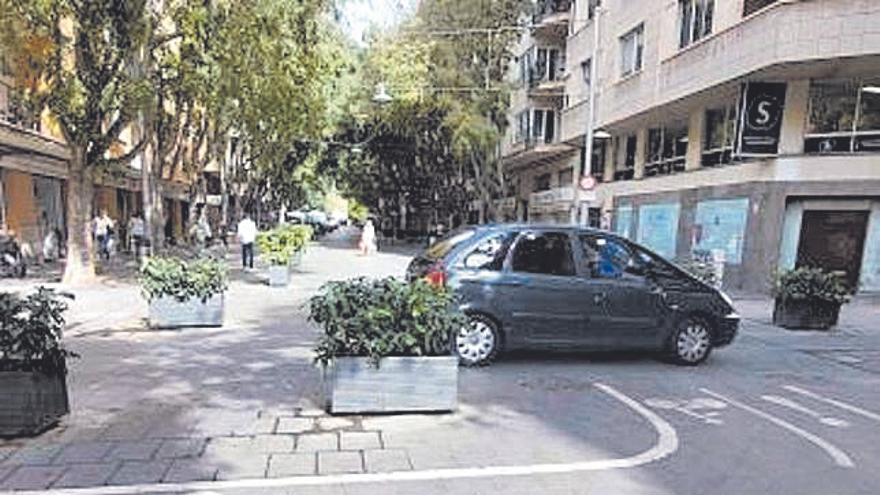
399	384
168	312
279	275
805	314
31	402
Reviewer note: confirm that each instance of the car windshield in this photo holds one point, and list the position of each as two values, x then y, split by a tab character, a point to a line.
442	247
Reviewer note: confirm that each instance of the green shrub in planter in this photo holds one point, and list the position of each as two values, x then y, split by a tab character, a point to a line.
701	269
182	280
33	361
279	245
809	298
387	317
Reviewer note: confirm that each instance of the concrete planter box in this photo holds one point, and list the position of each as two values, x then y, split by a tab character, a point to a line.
797	314
399	384
168	312
279	275
31	402
296	259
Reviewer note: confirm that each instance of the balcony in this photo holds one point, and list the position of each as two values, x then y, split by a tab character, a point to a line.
551	18
556	199
542	83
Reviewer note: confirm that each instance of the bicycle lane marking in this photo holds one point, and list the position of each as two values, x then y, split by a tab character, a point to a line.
667	443
833	402
840	457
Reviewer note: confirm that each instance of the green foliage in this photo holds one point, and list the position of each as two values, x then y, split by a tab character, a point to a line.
387	317
181	279
30	331
357	212
807	283
702	269
279	245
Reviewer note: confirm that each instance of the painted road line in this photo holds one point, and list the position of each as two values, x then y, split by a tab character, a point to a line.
667	443
825	420
843	405
840	457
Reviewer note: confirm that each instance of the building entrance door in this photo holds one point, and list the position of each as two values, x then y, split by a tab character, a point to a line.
834	240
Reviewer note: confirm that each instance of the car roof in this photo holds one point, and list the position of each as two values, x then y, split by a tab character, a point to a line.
539	226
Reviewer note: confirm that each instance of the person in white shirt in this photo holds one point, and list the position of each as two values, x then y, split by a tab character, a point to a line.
368	238
247	234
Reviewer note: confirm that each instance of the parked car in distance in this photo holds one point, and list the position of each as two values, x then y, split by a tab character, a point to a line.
566	287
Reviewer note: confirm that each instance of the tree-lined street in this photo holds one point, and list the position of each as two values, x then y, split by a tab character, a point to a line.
240	404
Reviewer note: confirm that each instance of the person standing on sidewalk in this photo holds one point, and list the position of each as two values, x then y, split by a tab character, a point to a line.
247	234
103	230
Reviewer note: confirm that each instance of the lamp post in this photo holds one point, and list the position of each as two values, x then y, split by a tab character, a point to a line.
576	217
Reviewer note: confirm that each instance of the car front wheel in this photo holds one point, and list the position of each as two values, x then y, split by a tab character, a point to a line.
692	342
477	343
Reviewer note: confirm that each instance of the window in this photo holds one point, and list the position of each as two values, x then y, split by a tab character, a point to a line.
597	164
624	157
566	177
542	183
549	65
489	253
695	20
587	75
844	116
719	136
525	66
606	257
752	6
666	150
632	47
523	128
543	125
442	247
545	253
2	204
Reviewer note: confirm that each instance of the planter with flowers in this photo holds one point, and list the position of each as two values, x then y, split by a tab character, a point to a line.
184	293
809	298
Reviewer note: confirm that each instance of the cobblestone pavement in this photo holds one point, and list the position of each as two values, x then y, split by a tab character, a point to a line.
238	410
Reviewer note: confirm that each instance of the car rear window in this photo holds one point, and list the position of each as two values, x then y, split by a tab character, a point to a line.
442	247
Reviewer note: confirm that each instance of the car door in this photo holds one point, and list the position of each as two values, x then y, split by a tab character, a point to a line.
477	277
543	293
625	308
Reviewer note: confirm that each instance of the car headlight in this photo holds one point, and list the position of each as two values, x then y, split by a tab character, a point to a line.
726	298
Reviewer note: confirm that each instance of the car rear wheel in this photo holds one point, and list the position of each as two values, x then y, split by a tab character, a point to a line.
692	342
477	343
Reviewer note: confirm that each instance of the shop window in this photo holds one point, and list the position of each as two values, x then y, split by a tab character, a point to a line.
695	20
844	117
752	6
632	48
719	136
542	183
666	150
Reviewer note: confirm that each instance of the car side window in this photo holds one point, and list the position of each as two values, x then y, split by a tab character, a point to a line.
606	257
489	253
547	253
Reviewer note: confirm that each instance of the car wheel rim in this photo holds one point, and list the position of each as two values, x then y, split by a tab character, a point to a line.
693	342
475	342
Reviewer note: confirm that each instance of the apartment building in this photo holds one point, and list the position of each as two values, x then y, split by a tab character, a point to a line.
746	128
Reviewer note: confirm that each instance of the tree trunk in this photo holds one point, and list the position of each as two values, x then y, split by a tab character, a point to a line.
154	211
80	266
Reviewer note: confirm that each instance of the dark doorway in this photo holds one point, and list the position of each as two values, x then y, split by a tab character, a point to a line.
834	240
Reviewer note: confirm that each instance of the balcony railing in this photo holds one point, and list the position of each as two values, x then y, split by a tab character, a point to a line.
546	9
552	196
539	75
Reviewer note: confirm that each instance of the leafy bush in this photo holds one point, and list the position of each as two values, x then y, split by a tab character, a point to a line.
811	284
387	317
278	245
183	280
702	269
30	331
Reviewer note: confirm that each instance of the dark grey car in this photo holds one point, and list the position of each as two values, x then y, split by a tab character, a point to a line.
545	287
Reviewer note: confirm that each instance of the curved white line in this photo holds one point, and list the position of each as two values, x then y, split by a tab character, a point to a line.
840	457
667	443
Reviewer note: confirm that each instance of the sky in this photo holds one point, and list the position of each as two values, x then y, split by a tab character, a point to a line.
359	15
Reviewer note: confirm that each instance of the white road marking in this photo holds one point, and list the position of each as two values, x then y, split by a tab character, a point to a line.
833	402
667	443
688	407
825	420
840	457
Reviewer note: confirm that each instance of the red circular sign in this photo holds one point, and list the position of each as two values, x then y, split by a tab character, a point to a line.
588	182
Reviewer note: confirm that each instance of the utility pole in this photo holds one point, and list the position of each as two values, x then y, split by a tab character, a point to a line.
576	217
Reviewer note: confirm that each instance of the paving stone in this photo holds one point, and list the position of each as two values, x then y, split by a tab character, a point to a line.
295	425
85	475
190	470
274	444
313	442
180	447
34	455
136	472
250	467
85	452
328	423
266	424
136	450
359	440
386	461
311	413
228	446
5	471
339	462
281	465
6	451
32	478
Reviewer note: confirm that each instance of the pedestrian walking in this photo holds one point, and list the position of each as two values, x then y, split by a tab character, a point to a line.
368	238
103	226
247	234
201	231
137	229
